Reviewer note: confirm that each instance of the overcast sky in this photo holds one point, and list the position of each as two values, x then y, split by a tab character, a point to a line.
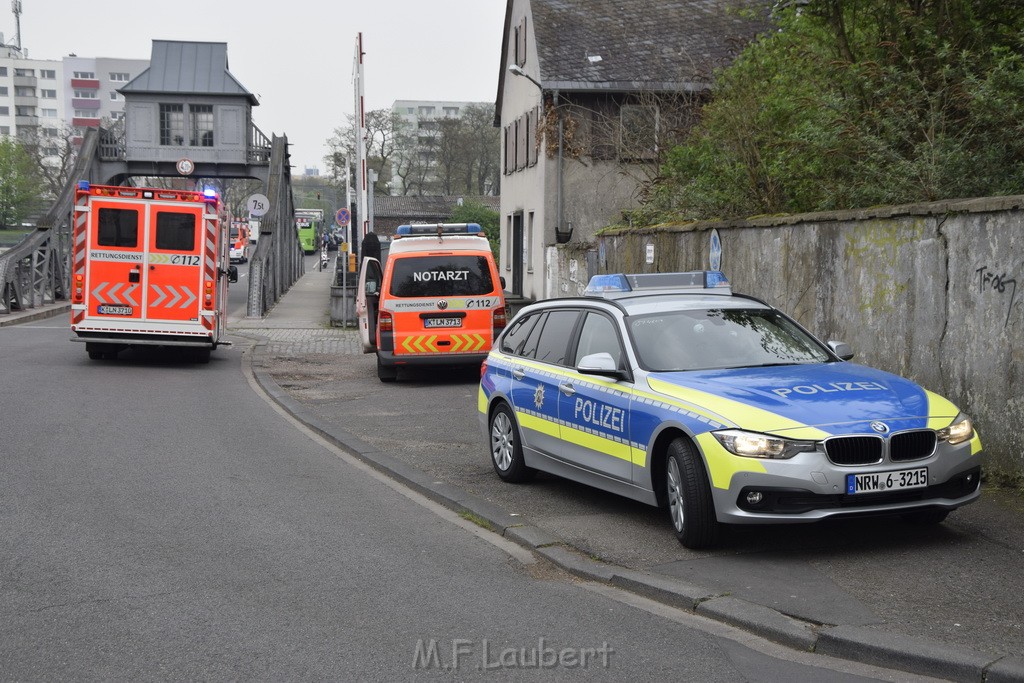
296	56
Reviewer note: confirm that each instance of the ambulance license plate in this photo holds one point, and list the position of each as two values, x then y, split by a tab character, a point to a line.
879	482
442	322
109	309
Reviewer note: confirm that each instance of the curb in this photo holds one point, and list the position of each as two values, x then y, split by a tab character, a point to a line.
893	651
47	311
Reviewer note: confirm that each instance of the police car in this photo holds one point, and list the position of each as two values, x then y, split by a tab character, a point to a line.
671	390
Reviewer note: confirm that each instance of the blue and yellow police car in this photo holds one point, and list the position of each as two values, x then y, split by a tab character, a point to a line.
672	390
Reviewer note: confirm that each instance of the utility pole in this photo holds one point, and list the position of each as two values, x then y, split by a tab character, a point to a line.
360	120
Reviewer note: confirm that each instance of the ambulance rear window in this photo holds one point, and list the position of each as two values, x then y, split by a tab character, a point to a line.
175	231
118	228
453	275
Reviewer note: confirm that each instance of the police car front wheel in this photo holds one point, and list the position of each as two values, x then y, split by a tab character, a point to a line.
506	448
688	494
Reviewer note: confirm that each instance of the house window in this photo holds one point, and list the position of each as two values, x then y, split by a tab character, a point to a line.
48	94
119	76
528	252
5	130
113	95
3	70
5	111
638	132
520	46
30	73
49	132
24	111
172	124
116	115
49	113
426	111
24	91
85	94
86	114
47	73
3	90
451	112
84	74
201	125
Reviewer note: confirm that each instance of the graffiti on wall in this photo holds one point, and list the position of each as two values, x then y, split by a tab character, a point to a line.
991	281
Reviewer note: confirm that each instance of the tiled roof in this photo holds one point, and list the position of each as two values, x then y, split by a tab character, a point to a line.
188	68
417	208
642	44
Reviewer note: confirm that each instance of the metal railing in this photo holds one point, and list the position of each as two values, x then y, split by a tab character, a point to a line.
277	262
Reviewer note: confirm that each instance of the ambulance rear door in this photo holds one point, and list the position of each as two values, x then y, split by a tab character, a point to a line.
174	262
116	253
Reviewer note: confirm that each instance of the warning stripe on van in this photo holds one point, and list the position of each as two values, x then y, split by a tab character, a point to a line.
427	343
79	248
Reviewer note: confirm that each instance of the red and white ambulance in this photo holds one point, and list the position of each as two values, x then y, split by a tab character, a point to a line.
149	267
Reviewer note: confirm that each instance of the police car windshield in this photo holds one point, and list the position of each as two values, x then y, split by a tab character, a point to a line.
721	338
452	275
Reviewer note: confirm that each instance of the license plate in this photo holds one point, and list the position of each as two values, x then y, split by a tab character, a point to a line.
878	482
442	322
107	309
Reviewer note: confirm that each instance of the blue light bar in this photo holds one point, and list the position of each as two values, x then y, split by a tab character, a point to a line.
421	229
210	193
83	185
601	285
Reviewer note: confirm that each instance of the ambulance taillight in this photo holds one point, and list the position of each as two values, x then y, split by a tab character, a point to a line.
78	296
385	323
208	296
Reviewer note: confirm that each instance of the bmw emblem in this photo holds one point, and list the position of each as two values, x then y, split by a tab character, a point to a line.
880	427
442	304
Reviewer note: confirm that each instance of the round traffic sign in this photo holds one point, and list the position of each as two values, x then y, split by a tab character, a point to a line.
257	204
342	217
185	166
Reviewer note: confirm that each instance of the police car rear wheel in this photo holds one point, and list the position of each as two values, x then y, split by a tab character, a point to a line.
506	449
689	496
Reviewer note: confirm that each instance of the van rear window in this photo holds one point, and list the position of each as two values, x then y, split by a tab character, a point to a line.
441	276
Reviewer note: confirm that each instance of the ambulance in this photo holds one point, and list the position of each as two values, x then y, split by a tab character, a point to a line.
437	300
240	243
149	268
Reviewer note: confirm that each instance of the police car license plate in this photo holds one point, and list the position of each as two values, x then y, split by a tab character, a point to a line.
107	309
442	322
878	482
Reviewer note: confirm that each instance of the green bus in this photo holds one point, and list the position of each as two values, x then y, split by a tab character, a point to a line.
309	224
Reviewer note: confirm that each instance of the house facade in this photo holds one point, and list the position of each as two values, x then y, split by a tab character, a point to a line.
590	92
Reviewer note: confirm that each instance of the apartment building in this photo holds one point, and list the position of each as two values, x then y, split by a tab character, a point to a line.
421	121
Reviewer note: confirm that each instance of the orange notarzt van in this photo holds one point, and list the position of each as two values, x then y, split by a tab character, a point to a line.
436	300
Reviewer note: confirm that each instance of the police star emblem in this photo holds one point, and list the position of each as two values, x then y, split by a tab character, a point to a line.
538	396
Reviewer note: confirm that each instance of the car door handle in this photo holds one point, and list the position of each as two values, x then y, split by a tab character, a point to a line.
518	373
567	388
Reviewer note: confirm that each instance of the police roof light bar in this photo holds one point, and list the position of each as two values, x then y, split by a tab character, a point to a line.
712	281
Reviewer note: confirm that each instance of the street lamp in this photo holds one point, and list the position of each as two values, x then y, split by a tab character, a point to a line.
518	71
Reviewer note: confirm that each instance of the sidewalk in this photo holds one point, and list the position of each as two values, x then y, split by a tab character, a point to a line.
831	620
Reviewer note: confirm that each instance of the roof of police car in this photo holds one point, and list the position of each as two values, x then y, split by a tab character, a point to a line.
645	302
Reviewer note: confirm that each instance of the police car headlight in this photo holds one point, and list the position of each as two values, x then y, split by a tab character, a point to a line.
961	430
755	445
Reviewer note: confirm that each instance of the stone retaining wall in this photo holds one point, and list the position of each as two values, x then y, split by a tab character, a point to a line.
934	292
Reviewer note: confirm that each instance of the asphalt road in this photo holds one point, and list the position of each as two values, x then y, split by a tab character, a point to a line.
160	519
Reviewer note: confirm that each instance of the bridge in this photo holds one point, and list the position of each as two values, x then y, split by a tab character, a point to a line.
188	118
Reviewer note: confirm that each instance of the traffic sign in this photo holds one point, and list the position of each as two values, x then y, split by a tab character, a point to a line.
258	204
342	217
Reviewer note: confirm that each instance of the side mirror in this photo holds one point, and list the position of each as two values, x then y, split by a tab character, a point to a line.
601	364
841	349
501	279
232	273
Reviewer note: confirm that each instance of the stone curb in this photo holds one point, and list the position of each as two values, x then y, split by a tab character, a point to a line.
894	651
31	315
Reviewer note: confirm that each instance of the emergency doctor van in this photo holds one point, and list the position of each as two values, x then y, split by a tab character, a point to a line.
436	300
149	268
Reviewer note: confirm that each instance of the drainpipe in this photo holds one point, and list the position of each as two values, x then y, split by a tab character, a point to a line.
558	209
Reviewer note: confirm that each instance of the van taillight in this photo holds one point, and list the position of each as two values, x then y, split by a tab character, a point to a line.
384	322
499	317
79	293
208	296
